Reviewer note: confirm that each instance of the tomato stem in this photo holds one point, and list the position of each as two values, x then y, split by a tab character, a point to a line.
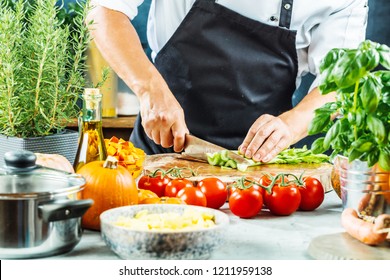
158	172
245	183
282	179
177	172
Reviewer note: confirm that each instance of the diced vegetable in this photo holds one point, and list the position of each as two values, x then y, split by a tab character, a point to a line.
299	155
126	153
221	159
287	156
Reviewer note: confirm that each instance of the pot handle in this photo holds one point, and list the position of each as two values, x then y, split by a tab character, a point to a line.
57	211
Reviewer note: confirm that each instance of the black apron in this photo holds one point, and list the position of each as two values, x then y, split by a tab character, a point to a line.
226	70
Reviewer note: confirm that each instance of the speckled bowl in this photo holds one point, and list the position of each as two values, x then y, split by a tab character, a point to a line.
181	245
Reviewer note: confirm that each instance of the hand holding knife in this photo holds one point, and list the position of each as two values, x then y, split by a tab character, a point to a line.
197	149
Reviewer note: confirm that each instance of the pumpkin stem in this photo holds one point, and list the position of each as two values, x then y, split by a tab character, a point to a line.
111	163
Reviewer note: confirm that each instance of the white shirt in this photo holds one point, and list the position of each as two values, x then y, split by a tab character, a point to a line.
321	25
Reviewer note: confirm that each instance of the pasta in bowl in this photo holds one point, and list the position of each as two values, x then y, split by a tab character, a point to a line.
163	231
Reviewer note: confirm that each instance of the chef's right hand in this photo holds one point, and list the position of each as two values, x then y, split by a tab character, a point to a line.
163	118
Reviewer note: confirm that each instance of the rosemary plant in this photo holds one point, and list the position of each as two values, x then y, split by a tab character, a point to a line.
42	66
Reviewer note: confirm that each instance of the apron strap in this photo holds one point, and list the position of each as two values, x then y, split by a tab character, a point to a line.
286	13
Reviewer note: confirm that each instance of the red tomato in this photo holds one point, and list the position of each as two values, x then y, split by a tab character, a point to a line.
284	200
215	191
155	184
192	196
175	185
265	180
312	194
245	203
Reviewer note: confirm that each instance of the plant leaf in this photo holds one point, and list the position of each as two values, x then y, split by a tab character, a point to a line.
377	127
317	147
373	157
362	145
384	56
331	135
384	160
319	123
331	58
369	59
370	93
354	154
349	69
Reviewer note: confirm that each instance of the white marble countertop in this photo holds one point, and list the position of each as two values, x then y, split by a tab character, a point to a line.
265	237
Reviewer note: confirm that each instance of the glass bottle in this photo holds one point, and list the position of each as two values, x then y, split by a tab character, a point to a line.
91	141
96	64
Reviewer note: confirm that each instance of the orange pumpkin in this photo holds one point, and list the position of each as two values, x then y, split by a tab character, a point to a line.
109	185
163	200
55	161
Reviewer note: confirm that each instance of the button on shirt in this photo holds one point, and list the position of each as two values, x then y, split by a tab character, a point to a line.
321	25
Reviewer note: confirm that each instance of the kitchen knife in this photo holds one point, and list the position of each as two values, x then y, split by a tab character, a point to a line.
196	149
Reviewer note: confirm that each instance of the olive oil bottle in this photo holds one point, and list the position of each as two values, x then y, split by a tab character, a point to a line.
91	140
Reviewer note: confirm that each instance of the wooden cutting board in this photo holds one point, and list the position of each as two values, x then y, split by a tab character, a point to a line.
203	169
341	246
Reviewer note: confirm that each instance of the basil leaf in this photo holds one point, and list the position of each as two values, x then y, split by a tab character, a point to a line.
360	117
354	154
373	157
362	145
345	125
384	76
331	134
317	147
319	123
384	56
349	69
352	118
327	108
368	45
384	160
330	59
327	84
370	93
377	127
369	59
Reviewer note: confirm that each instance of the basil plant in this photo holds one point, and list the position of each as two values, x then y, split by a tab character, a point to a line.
357	124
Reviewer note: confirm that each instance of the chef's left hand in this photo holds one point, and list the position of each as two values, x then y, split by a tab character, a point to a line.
267	137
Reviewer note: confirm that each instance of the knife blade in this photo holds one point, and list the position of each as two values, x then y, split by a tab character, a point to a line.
197	149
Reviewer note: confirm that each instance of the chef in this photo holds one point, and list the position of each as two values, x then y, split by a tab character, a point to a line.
225	70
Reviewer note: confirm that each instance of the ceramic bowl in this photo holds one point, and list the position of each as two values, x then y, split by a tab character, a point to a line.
145	244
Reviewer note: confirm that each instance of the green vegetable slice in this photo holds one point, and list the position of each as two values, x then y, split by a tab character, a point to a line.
287	156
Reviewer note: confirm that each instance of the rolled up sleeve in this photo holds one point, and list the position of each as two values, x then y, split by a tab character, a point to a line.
345	28
128	7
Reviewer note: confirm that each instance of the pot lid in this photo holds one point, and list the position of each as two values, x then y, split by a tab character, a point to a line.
22	178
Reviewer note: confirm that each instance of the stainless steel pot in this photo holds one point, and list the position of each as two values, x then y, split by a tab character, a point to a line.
361	187
40	210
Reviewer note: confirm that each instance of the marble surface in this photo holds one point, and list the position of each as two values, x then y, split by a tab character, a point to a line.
265	237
